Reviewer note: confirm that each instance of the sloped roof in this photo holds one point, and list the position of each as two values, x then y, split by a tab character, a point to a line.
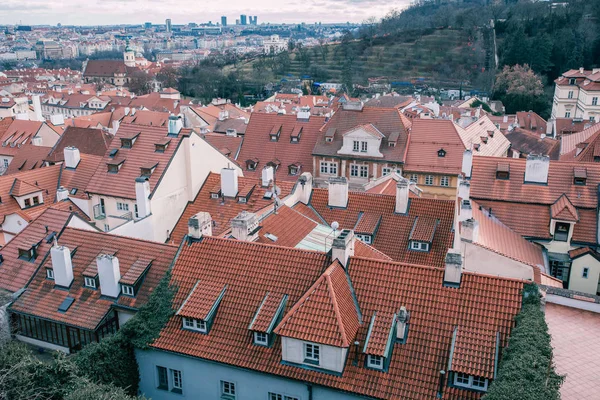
201	300
528	143
326	313
86	140
570	142
104	68
264	318
474	352
483	132
21	188
378	337
564	210
28	157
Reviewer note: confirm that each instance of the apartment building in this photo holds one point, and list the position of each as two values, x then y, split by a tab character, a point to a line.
576	95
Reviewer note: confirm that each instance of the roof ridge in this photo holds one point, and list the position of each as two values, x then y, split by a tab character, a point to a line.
121	237
333	298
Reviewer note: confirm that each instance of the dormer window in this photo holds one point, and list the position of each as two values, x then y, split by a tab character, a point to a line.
147	169
28	254
251	165
579	176
312	353
296	133
115	165
261	338
126	143
294	169
275	132
476	146
503	171
572	81
89	282
127	290
192	324
419	246
375	362
490	133
441	153
470	381
561	231
484	139
160	147
49	273
329	139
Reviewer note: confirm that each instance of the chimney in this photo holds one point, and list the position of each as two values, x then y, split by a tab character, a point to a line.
223	115
464	188
175	125
581	70
36	140
267	176
402	323
338	192
453	269
62	194
536	169
303	114
200	225
72	157
109	275
245	227
305	186
469	230
37	107
57	119
62	265
467	163
343	247
142	196
229	182
402	190
466	210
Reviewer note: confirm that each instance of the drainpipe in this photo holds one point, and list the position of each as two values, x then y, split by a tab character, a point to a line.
309	388
441	389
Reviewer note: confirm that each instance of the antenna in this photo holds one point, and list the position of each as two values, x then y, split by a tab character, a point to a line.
334	226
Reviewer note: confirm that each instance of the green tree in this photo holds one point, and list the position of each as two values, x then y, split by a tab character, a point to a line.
520	89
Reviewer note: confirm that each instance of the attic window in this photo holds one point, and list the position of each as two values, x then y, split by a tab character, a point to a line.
294	169
215	194
484	139
261	338
476	146
192	324
27	254
113	153
503	171
251	164
73	191
115	166
160	147
147	169
296	133
490	133
330	134
441	153
127	290
126	143
49	273
470	381
375	362
329	139
579	176
275	132
419	246
572	81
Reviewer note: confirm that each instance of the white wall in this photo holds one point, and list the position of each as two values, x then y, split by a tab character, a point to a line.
13	223
331	358
481	260
573	303
77	222
84	204
141	229
577	281
372	147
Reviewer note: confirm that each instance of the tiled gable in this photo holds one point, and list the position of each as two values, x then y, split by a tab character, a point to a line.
564	210
380	333
202	300
474	352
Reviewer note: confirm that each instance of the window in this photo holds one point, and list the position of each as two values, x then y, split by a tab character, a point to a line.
36	200
122	206
294	170
5	163
89	282
570	95
429	180
160	148
572	81
374	361
470	381
177	381
355	145
311	353
592	119
135	207
27	203
49	273
364	238
594	101
419	246
441	153
228	389
113	168
386	171
27	254
363	147
126	143
73	191
586	272
329	168
278	396
194	324
333	168
354	170
163	378
444	181
261	338
364	171
127	290
561	231
106	228
414	178
567	114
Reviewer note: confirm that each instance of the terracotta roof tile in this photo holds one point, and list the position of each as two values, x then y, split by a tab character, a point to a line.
528	143
28	157
136	271
368	223
265	318
474	352
423	229
429	136
202	300
380	334
564	210
21	188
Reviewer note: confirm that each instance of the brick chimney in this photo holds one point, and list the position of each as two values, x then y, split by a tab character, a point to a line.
245	227
229	182
200	225
402	191
62	265
338	192
453	271
109	275
72	157
536	169
343	247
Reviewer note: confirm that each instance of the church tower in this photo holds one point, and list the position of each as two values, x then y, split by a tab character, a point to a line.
129	55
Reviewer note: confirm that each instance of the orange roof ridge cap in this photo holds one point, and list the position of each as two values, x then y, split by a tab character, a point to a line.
333	298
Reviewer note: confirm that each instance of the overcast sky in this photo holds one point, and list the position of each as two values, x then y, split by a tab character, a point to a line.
102	12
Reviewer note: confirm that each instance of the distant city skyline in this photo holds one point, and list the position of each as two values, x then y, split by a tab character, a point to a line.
113	12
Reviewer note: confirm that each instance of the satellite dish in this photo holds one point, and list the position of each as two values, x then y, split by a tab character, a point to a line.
335	225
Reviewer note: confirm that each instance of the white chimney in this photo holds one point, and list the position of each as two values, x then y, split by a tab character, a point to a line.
72	157
115	127
466	210
229	182
37	107
453	268
402	190
57	119
343	247
464	188
62	194
338	192
200	225
244	227
536	169
142	196
467	162
505	119
62	265
267	176
402	323
469	230
305	186
109	275
223	115
36	140
175	124
303	114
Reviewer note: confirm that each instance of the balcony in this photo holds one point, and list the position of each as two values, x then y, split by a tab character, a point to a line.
99	212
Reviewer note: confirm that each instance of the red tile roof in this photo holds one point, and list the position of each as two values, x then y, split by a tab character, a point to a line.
122	183
386	120
264	319
250	270
528	143
16	272
531	121
392	237
79	177
227	145
28	157
288	225
474	352
564	210
368	223
257	144
424	229
380	329
326	313
42	299
223	210
150	118
201	300
427	137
